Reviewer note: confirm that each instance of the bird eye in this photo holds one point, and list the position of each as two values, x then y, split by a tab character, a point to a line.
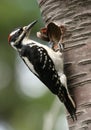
14	35
21	29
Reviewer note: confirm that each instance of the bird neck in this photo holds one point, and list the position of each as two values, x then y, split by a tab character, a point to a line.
21	43
18	45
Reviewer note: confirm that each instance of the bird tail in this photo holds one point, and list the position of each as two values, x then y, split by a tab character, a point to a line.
65	97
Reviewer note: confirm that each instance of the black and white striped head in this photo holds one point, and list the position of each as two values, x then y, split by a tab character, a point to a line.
15	37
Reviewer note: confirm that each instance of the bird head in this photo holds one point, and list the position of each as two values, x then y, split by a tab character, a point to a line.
16	37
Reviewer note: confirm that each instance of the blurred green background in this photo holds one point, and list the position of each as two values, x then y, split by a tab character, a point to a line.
24	100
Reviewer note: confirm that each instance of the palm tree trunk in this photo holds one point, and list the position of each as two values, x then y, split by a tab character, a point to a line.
76	16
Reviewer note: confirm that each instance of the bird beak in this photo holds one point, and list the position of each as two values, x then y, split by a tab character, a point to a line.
29	27
26	30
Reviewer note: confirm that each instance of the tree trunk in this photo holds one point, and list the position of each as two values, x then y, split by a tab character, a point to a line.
76	16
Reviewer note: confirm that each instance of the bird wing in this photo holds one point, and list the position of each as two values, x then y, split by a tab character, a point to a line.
41	65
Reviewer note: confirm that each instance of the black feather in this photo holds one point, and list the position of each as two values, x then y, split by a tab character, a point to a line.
44	67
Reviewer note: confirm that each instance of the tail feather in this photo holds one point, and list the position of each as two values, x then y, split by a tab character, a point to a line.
70	106
68	102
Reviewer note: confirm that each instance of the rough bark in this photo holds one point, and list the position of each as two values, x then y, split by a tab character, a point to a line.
76	16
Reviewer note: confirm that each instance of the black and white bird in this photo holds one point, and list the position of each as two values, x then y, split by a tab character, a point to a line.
43	62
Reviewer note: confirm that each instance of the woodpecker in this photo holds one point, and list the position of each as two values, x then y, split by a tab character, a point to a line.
44	63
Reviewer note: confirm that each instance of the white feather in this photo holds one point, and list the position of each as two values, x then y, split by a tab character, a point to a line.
56	57
29	64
